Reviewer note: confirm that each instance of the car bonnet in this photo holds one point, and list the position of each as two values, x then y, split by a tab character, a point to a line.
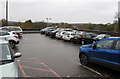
9	70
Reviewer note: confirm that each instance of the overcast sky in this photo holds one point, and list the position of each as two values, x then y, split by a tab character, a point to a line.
70	11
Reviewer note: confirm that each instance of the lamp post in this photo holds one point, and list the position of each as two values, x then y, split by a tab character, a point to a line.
48	20
6	12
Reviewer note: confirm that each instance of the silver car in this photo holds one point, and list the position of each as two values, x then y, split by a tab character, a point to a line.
8	65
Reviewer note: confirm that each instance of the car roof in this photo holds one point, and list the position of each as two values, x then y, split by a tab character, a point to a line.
11	27
112	38
69	32
4	31
103	34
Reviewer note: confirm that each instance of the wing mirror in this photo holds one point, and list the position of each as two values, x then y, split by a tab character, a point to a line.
94	47
17	55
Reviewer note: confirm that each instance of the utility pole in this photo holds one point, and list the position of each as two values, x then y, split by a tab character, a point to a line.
6	12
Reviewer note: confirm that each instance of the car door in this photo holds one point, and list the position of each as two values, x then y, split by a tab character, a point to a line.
6	35
104	52
117	50
88	39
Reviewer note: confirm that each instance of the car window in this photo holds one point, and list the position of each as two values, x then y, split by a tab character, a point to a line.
0	33
104	44
84	35
73	34
6	53
3	33
67	34
117	46
58	32
63	32
88	36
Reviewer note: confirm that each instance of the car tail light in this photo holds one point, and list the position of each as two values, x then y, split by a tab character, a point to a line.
15	36
80	36
53	33
68	36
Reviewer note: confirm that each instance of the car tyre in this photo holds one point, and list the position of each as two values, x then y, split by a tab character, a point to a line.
71	40
84	59
12	44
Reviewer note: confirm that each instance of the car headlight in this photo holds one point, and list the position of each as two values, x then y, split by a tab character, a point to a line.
80	47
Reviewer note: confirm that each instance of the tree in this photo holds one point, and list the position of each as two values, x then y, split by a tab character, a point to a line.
28	21
119	25
27	25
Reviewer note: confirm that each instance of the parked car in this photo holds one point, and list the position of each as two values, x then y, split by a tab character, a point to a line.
47	32
53	33
93	35
11	37
59	34
68	36
105	52
15	29
83	38
101	36
8	65
45	29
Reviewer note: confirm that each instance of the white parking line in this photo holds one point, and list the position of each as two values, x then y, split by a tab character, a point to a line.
86	67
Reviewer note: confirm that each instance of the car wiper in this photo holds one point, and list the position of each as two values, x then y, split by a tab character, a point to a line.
5	61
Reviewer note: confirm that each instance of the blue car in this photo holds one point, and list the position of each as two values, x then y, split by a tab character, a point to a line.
105	52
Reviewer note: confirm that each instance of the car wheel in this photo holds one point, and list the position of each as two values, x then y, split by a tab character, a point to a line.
12	44
71	40
84	59
82	42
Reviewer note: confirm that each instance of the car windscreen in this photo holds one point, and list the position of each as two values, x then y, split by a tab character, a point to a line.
4	33
78	35
100	36
5	53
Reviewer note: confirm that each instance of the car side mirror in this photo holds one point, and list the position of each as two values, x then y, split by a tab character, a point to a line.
94	46
105	37
17	55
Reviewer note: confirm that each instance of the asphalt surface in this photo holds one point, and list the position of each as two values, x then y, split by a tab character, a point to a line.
49	57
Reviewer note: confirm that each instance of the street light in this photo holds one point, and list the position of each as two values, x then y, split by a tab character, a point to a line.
48	20
6	12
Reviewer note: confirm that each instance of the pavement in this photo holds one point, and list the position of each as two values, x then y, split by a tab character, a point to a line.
43	56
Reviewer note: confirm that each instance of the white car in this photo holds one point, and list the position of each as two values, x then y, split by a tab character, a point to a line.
15	29
11	37
8	65
68	36
59	34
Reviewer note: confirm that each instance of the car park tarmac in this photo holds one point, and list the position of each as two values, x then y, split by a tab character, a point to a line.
49	57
